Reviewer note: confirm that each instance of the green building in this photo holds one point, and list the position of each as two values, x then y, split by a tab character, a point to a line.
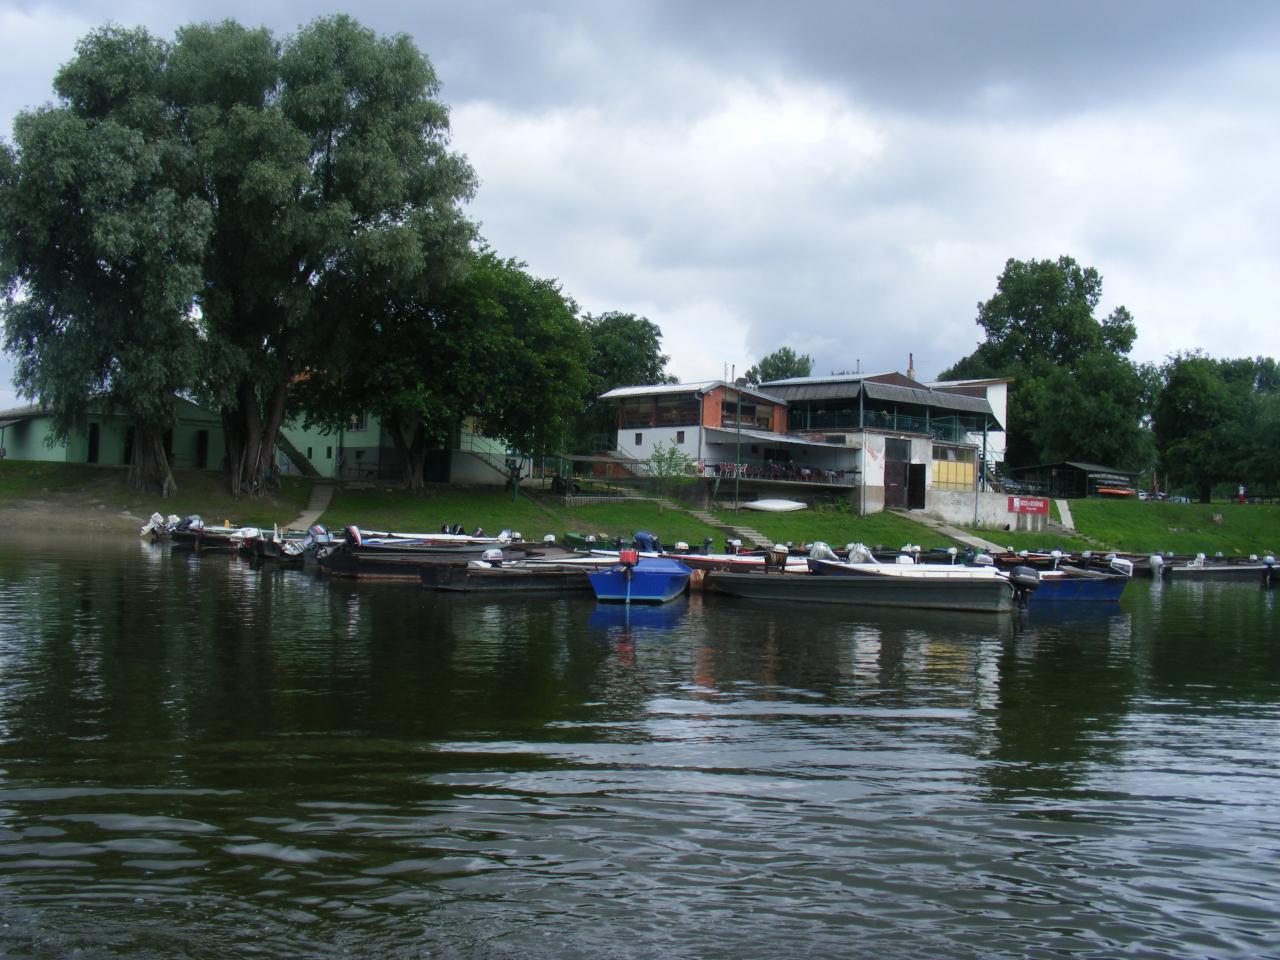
194	443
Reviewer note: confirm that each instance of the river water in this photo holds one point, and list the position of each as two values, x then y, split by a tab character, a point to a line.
204	758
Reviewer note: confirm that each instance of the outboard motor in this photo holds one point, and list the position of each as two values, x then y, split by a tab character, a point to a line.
860	553
821	551
732	545
983	560
353	535
680	547
706	544
548	539
478	532
492	556
1120	565
1156	563
1025	580
1270	574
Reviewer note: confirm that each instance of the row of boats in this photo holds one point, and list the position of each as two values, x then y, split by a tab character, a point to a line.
644	571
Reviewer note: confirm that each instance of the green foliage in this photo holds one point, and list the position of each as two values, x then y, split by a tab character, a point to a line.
494	343
670	466
623	350
1218	421
782	364
242	200
1075	394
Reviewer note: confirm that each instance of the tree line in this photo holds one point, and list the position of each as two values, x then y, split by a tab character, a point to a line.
1191	423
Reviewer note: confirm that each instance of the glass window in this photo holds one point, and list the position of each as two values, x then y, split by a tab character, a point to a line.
679	436
639	439
677	410
636	412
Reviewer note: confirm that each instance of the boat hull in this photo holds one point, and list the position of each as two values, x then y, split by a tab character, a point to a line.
985	595
1065	587
652	580
457	578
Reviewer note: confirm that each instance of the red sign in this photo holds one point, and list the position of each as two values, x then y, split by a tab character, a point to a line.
1028	505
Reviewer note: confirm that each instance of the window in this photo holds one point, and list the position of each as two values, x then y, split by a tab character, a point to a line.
678	410
679	436
639	439
358	422
309	453
328	453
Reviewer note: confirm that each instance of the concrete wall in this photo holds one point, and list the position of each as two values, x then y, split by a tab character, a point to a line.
990	509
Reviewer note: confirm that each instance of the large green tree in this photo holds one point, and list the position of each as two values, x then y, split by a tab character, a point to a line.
1075	392
316	171
1218	422
494	343
101	250
623	350
780	365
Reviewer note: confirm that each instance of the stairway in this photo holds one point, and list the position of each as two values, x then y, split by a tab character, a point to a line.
745	534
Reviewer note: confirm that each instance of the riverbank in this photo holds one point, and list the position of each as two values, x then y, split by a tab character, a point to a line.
81	497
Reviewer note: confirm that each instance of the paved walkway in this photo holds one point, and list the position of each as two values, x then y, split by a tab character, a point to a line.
968	539
1064	511
317	503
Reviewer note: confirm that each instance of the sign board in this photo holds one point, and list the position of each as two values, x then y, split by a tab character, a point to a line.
1029	505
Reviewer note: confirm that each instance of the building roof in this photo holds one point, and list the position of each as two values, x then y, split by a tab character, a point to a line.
721	434
17	414
700	388
1076	464
895	388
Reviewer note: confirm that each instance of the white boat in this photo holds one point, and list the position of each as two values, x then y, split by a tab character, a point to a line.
774	506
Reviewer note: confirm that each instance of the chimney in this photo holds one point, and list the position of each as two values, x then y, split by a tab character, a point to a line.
911	365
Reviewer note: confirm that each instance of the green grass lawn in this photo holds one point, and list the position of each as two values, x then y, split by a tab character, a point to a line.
1183	528
1035	542
836	527
494	510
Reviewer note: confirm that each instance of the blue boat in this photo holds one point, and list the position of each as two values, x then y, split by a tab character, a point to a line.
640	579
1072	585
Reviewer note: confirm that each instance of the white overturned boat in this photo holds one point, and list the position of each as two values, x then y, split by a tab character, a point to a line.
774	506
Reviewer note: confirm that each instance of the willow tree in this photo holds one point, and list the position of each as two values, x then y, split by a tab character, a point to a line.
195	215
99	255
325	161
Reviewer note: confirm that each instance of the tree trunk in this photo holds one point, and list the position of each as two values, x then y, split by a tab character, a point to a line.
413	454
251	430
150	471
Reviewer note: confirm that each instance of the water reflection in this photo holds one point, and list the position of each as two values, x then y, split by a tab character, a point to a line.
203	757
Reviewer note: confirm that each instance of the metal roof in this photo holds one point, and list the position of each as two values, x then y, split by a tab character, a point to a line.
702	387
848	388
18	414
1086	467
762	436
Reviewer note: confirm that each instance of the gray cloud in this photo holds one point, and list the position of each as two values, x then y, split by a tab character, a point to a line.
846	178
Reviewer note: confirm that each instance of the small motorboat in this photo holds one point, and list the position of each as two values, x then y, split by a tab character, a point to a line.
637	579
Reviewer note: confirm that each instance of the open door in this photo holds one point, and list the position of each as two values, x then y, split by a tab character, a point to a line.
915	486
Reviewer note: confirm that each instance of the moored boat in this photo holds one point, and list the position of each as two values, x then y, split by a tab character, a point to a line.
636	579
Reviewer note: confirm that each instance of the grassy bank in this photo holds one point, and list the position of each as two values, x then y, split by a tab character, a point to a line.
102	497
836	527
533	515
1184	528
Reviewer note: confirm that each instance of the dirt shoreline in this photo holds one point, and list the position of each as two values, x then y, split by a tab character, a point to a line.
68	512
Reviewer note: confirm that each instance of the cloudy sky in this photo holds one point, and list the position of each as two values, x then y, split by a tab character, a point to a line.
845	178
